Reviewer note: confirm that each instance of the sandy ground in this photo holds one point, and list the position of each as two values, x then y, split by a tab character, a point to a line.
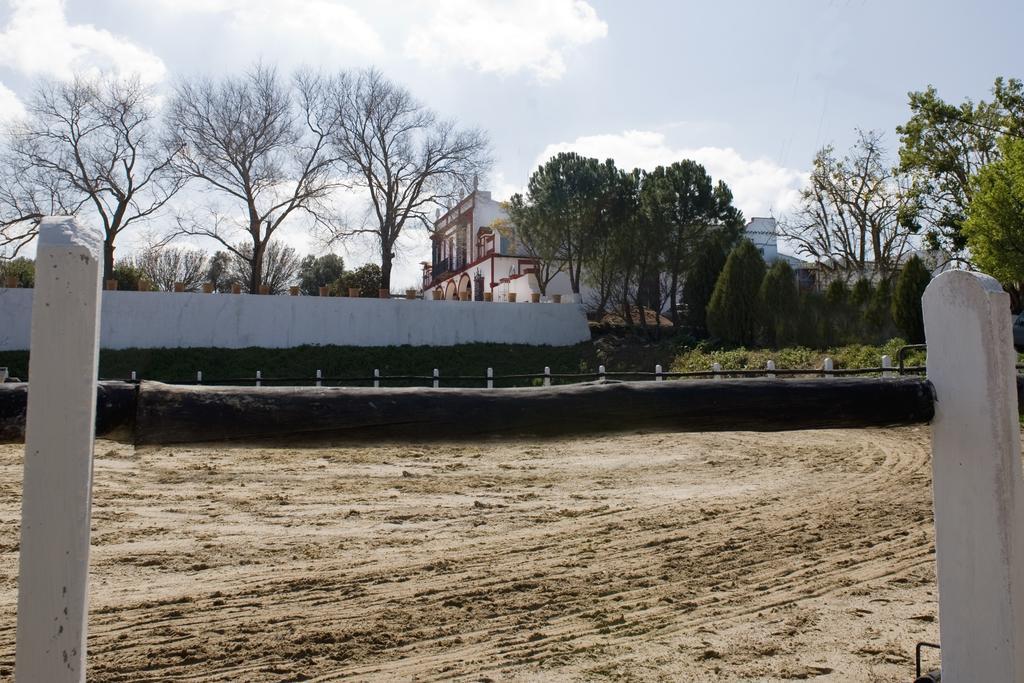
676	557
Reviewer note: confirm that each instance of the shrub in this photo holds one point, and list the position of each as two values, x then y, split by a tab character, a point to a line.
22	268
365	278
127	275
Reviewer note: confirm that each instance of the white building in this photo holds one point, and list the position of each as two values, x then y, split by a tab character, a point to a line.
763	232
475	251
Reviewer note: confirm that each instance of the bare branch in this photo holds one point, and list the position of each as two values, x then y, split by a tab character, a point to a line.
404	156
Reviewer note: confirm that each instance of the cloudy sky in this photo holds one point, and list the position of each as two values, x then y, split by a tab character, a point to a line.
749	88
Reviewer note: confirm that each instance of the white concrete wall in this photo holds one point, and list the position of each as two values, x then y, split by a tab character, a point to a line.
158	320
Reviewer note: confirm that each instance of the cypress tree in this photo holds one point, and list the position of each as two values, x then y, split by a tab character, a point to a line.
700	282
878	316
780	304
734	314
906	300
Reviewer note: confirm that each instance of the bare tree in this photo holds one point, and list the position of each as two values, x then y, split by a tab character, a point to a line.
852	217
92	145
259	145
280	266
166	266
26	195
408	159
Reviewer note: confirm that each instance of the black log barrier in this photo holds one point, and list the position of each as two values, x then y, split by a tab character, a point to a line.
155	413
116	403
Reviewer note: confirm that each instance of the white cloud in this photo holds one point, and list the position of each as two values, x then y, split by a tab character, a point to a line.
303	28
759	186
490	36
38	39
505	37
10	105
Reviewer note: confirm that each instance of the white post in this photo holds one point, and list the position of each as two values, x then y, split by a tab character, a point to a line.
437	382
770	367
886	363
717	368
376	378
490	378
199	376
977	479
547	376
56	500
259	378
134	376
828	366
600	372
657	373
319	378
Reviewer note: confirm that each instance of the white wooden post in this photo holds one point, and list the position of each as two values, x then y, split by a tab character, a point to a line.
828	367
134	376
886	363
376	378
547	376
490	378
437	382
57	489
977	479
657	373
199	376
770	367
600	372
319	378
717	368
259	378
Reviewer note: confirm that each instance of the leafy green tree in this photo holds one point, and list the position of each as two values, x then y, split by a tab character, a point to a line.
995	222
319	271
944	145
569	198
611	264
682	204
733	313
780	304
366	278
536	238
906	300
24	269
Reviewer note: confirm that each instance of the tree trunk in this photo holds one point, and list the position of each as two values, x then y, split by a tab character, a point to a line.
673	299
1016	292
256	272
108	259
386	258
